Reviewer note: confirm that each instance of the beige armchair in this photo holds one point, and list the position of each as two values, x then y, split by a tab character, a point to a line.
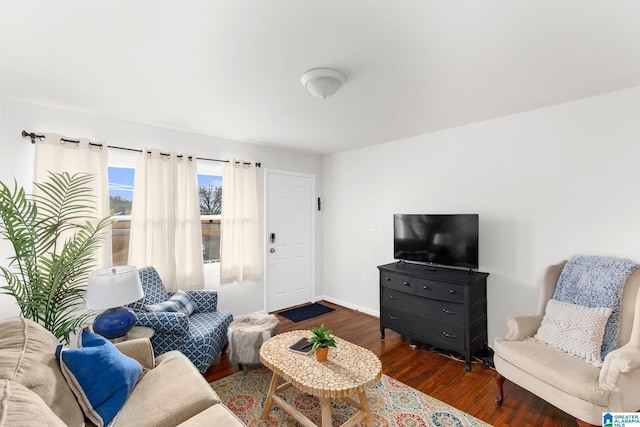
576	387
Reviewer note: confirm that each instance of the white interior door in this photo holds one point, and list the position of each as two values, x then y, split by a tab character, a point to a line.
289	227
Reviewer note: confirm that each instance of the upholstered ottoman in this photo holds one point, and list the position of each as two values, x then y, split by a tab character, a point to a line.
246	335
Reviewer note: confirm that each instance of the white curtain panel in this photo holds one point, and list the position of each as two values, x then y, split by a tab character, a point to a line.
54	155
188	228
239	247
165	220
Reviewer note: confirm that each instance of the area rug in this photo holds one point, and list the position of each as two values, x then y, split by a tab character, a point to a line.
305	312
392	403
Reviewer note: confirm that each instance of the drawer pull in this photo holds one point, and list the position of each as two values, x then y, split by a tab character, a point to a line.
451	291
406	284
448	335
387	279
392	297
393	318
426	288
444	310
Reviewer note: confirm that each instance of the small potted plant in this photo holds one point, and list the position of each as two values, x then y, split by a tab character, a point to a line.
322	339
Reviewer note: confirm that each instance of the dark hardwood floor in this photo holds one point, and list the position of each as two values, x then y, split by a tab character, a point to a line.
415	364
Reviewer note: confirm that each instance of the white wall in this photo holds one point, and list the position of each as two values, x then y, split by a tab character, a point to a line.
16	160
547	184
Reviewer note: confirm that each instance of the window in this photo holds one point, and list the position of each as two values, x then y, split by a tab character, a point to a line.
210	196
121	175
121	200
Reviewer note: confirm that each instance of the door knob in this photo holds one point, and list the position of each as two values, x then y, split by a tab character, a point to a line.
272	250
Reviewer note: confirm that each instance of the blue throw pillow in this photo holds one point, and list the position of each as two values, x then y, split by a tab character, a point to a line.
180	302
99	375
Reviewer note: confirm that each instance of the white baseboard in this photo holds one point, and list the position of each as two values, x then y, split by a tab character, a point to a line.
346	304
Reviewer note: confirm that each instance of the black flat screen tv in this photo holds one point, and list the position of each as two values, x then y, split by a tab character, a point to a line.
447	240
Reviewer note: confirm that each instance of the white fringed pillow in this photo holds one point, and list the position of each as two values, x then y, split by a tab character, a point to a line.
575	329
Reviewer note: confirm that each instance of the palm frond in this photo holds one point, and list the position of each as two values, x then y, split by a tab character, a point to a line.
64	202
18	214
67	198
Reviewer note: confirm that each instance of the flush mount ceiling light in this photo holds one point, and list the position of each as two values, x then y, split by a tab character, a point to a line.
323	82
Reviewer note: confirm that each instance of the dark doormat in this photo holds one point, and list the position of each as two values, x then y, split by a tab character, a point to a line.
305	312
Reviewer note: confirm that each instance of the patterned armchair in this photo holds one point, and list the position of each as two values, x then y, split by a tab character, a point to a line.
201	336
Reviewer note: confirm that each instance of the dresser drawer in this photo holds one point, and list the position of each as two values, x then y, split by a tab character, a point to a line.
395	299
440	290
401	321
443	334
446	311
398	282
449	335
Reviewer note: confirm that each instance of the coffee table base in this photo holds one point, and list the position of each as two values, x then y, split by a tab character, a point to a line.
325	406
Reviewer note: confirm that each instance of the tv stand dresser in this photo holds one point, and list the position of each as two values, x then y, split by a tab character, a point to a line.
441	306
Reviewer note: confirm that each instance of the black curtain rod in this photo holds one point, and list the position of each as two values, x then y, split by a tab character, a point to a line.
32	135
35	136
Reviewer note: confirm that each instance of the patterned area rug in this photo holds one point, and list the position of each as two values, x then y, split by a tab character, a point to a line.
392	404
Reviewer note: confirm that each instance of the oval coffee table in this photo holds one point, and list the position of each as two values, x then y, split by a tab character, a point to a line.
349	370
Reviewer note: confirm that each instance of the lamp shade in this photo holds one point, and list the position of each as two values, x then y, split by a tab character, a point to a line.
113	286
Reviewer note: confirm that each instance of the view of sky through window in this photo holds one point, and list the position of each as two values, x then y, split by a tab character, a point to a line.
214	180
121	182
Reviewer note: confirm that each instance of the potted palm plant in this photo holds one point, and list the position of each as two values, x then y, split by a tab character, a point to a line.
55	236
322	339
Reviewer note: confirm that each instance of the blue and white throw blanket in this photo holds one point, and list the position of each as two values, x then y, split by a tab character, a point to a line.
595	281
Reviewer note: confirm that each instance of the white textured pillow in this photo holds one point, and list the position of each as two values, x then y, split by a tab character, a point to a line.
575	329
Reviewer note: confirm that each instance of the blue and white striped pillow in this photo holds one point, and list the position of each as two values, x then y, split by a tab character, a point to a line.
180	302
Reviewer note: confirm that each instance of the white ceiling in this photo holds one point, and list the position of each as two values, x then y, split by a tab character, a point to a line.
231	68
